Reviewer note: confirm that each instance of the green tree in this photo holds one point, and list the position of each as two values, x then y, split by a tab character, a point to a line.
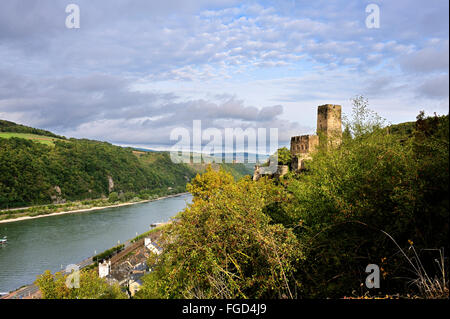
206	185
224	246
90	287
113	197
284	156
364	120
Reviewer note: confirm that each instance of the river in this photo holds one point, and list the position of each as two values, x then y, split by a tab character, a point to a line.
36	245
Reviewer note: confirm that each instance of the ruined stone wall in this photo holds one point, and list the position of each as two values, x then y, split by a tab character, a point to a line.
303	144
298	162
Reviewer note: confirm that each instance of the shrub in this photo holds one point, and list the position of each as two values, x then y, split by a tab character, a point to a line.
113	197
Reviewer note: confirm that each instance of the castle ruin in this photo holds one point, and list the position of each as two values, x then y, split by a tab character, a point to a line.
329	134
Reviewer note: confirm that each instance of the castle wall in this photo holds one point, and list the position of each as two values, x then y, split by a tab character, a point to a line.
303	144
298	162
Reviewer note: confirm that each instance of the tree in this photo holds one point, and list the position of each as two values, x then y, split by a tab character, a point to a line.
224	245
363	121
284	156
113	197
91	287
206	185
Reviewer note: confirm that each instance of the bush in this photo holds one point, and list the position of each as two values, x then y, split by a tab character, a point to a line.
113	197
128	196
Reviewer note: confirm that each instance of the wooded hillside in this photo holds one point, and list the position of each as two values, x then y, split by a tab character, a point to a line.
73	169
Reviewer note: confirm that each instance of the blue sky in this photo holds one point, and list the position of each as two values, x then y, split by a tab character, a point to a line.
137	69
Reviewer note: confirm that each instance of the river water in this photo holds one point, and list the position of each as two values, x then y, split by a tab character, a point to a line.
36	245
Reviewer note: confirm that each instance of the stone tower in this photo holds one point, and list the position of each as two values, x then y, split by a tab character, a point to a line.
329	123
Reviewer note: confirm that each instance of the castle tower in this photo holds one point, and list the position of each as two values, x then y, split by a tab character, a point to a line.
329	123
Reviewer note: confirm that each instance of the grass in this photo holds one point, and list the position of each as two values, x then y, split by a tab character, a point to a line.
33	137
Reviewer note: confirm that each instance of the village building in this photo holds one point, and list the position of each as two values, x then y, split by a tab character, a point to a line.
152	246
104	269
127	267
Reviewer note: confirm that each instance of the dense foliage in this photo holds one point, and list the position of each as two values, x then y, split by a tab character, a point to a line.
284	156
381	197
81	169
224	246
353	198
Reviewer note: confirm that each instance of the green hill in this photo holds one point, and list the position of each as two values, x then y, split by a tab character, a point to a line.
11	127
76	169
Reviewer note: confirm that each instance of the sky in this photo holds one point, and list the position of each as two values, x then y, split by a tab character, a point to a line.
137	69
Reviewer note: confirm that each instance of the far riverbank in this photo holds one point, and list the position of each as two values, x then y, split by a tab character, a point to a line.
11	220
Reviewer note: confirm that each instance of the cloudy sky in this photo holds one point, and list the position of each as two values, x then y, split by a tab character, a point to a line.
136	69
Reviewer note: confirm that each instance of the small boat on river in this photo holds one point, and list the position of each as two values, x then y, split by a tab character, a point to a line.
3	240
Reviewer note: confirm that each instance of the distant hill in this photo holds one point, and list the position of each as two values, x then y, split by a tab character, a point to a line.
244	157
239	157
407	130
144	149
33	172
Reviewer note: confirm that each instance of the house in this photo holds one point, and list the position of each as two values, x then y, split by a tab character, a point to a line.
152	246
104	269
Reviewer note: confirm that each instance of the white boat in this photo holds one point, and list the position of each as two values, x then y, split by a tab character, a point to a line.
4	240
